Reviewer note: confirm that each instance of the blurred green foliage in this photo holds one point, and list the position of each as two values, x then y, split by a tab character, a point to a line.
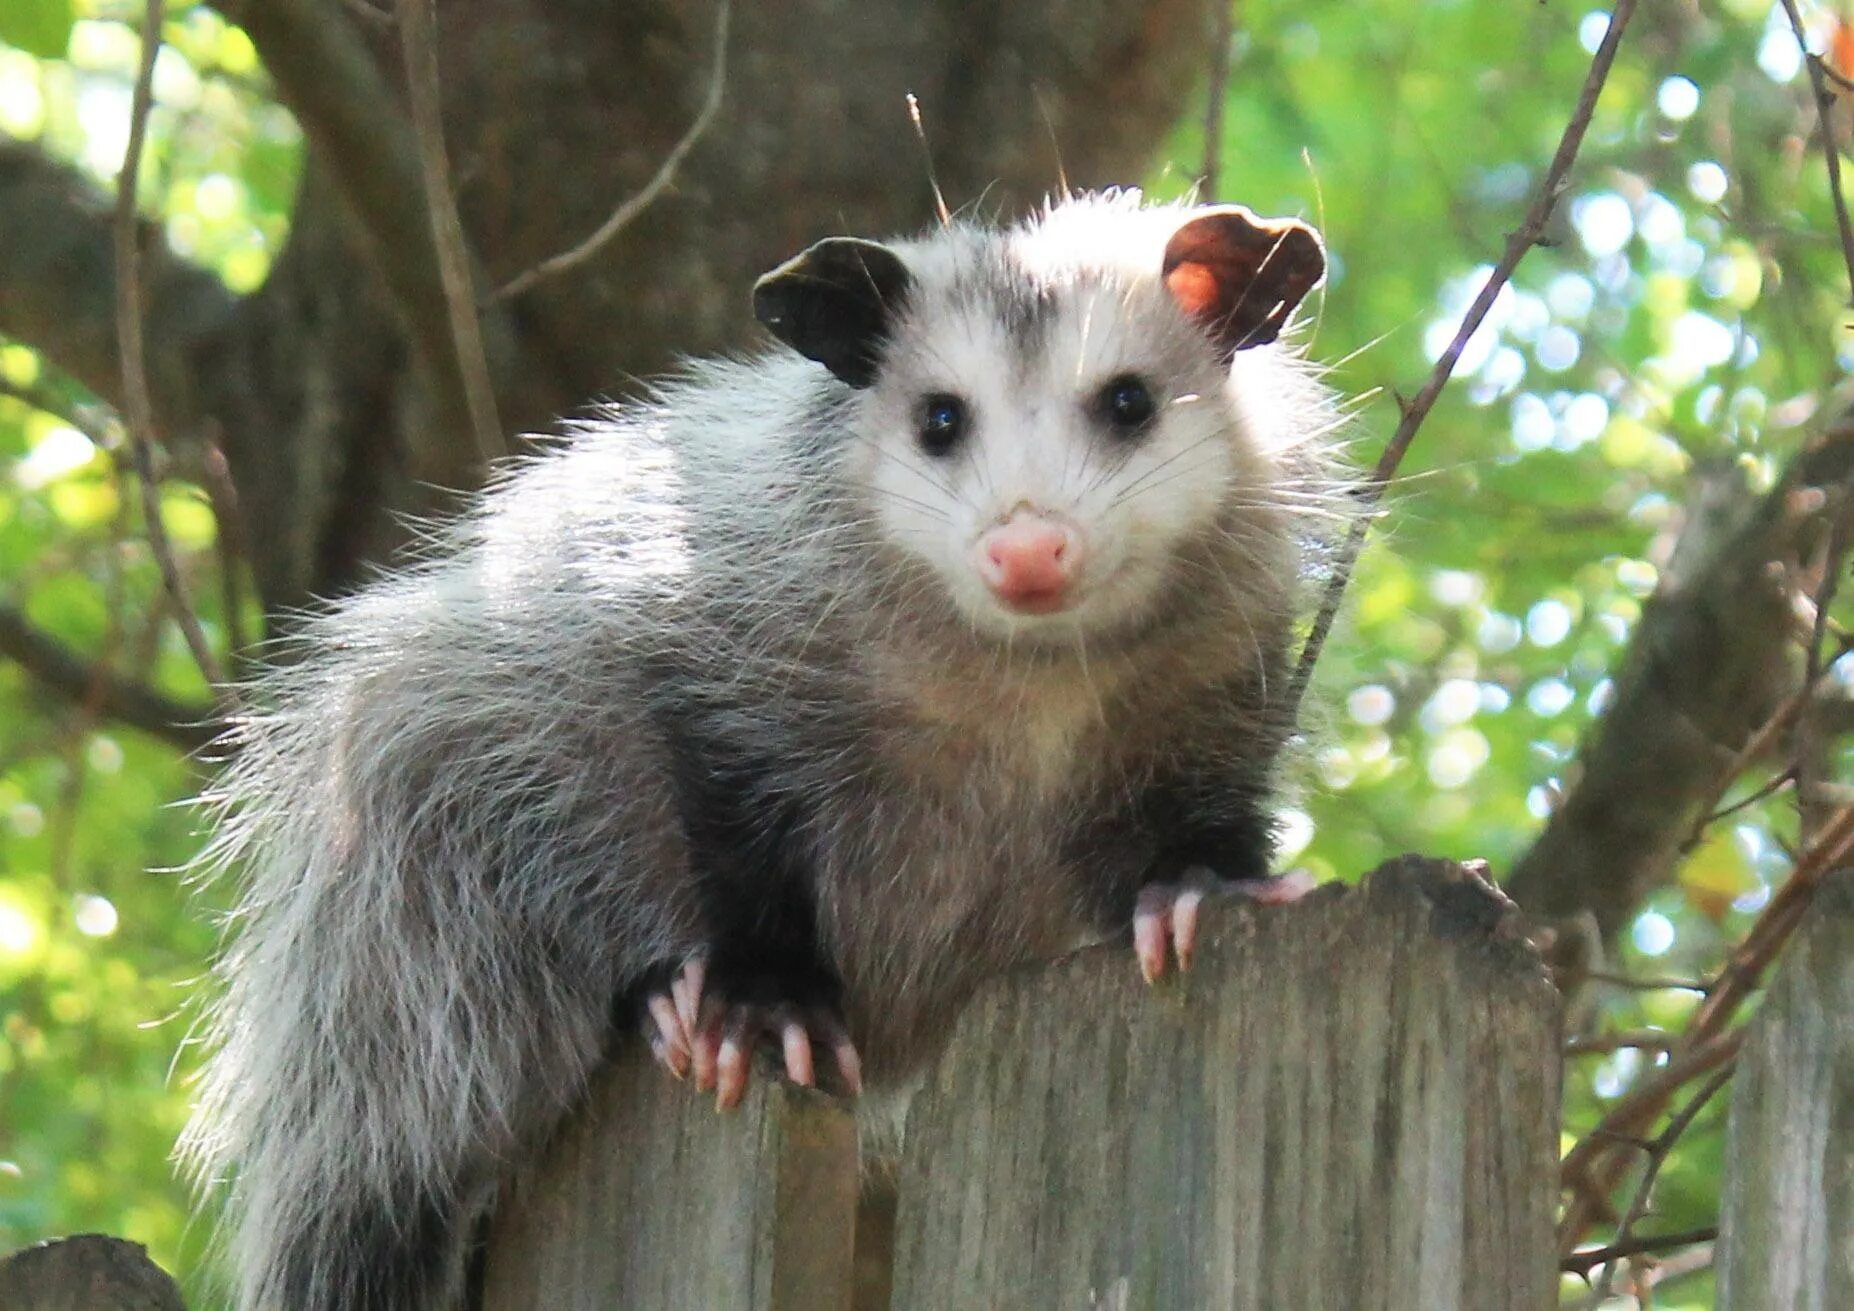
101	947
1690	308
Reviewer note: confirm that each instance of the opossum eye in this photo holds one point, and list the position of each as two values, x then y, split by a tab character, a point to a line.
943	422
1127	403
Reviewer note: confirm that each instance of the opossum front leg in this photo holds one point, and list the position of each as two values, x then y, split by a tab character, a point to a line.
690	1030
763	984
1182	839
1165	913
731	1031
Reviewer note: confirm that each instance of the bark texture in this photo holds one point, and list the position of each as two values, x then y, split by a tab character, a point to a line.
331	389
1715	653
87	1272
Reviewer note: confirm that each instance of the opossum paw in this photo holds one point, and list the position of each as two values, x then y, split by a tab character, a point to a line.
730	1033
1165	916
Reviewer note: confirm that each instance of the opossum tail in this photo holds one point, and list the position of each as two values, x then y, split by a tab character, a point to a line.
445	890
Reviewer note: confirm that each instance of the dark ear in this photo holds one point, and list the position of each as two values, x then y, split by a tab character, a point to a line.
1241	276
835	303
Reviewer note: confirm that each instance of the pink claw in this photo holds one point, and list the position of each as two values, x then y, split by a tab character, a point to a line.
797	1044
1184	925
669	1041
1149	943
686	988
705	1055
723	1048
731	1074
849	1064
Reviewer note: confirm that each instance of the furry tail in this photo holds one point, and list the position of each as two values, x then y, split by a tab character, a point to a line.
366	1099
443	900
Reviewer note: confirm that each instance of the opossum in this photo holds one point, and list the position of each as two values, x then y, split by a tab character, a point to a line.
782	707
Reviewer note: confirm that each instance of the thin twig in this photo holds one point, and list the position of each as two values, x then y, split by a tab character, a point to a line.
1658	1152
1769	788
93	421
1223	30
1622	1125
1834	555
626	213
137	403
1417	408
1646	983
1831	150
1759	743
1583	1262
75	678
1601	1044
329	77
419	48
1834	75
1593	1167
1775	923
222	492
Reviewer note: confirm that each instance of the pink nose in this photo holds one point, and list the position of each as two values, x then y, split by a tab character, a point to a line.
1029	561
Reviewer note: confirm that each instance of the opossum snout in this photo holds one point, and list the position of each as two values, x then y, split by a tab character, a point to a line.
1030	560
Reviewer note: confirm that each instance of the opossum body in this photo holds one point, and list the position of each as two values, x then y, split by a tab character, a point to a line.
824	693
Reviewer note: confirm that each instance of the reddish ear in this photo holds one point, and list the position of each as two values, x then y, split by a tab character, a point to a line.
1241	276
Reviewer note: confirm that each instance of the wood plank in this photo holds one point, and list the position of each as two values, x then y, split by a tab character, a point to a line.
1351	1102
86	1272
1786	1224
652	1199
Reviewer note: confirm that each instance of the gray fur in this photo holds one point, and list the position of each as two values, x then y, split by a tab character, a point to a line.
454	824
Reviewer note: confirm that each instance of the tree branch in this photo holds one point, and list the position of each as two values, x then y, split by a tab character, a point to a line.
418	42
1706	667
1593	1168
58	292
1416	409
60	670
1651	1040
1584	1261
635	204
327	78
1831	148
1626	1244
102	427
138	403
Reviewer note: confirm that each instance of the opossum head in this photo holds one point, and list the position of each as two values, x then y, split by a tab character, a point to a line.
1052	418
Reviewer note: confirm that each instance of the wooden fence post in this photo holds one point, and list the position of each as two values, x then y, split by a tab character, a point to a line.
1786	1224
85	1272
1351	1102
651	1201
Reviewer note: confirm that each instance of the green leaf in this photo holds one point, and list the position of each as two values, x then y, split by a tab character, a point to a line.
39	27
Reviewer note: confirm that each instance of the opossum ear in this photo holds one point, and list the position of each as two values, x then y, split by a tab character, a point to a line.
835	304
1241	276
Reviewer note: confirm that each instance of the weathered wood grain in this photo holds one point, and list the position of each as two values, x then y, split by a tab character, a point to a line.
1786	1227
652	1199
86	1272
1350	1104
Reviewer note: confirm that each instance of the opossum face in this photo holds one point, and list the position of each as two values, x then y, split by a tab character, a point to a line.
1048	417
